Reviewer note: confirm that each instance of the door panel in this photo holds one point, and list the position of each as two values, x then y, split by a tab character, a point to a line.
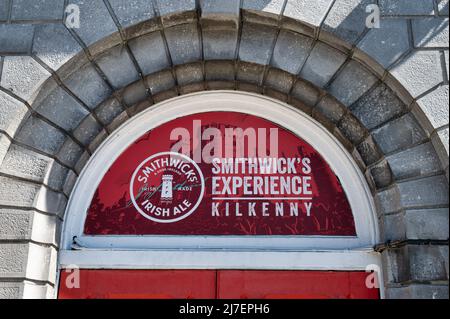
248	284
141	284
222	284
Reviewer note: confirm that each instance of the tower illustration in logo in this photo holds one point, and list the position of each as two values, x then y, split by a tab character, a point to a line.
166	191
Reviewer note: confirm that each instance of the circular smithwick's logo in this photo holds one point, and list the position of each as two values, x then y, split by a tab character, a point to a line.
167	187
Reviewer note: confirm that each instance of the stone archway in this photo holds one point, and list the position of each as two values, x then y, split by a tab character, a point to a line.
325	63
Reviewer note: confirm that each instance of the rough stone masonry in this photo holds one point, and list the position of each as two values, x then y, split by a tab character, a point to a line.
382	92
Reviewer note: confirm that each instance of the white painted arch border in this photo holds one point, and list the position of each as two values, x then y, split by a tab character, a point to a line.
286	116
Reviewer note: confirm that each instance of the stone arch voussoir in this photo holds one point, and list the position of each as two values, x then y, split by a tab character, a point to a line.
318	63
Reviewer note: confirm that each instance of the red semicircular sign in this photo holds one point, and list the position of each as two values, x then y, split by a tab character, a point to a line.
220	173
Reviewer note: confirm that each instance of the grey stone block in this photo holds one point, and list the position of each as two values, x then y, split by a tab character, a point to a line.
306	93
392	227
257	43
388	201
192	88
150	52
265	6
219	44
12	113
416	263
27	225
160	82
443	7
381	174
322	64
40	135
88	86
97	141
50	201
387	43
309	11
95	24
184	43
37	10
176	12
351	83
23	194
330	108
297	26
419	72
108	111
369	151
273	93
291	51
398	134
251	73
431	32
219	71
426	118
54	45
55	176
16	224
428	263
352	129
219	11
378	106
4	9
130	12
396	265
189	73
62	109
134	93
299	104
26	164
279	80
176	6
81	162
446	58
418	291
13	260
249	16
424	192
358	159
16	38
441	145
11	290
23	76
160	97
118	121
87	130
29	261
435	106
69	183
406	7
347	19
118	67
5	142
69	153
417	161
427	224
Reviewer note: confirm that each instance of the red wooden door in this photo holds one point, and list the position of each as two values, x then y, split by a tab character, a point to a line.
141	284
249	284
222	284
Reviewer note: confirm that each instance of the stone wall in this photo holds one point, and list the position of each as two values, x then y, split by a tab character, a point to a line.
382	92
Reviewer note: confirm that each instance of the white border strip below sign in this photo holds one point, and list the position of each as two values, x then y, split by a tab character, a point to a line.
344	260
312	132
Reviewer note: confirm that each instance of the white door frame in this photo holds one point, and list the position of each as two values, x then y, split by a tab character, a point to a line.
222	252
